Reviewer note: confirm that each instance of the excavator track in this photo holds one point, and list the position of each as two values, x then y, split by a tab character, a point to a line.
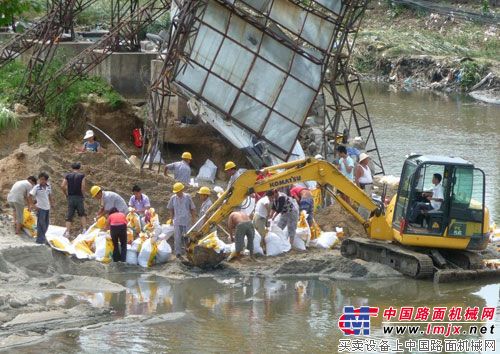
407	262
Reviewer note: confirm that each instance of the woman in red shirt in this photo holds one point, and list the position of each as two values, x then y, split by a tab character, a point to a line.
118	228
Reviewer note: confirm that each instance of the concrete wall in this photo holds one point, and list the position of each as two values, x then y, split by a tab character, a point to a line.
65	51
128	73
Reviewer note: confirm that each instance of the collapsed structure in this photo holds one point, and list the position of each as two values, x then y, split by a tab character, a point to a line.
255	69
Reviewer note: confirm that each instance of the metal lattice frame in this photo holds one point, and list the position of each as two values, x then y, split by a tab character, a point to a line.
50	27
346	109
175	60
122	10
92	56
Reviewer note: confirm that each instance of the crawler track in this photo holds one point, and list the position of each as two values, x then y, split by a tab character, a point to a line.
413	264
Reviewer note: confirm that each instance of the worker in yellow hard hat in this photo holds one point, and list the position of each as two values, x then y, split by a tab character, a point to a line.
108	200
182	212
206	203
233	172
181	169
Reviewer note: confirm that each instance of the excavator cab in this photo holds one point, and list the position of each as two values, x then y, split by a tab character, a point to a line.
458	220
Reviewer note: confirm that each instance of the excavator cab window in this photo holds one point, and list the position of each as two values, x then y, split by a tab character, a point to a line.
467	201
414	214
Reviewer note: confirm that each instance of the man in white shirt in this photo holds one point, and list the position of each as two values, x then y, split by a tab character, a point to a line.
18	198
435	199
40	198
262	211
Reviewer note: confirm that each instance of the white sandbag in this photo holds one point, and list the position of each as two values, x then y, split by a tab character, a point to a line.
283	236
82	245
299	244
207	172
147	254
257	248
103	248
274	244
248	206
229	248
60	243
54	230
131	255
164	252
167	230
326	240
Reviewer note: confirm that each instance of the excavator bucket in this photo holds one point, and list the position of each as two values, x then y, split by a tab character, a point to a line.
205	258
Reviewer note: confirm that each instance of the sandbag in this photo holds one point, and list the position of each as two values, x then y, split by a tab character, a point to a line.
303	230
274	244
167	230
257	248
104	248
326	240
299	244
59	242
146	257
207	172
283	235
134	222
164	252
315	230
29	222
83	245
248	206
131	255
213	242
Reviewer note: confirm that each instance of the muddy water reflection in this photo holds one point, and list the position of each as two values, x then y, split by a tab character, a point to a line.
430	123
253	314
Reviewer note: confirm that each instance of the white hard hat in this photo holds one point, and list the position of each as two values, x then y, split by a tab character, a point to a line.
88	134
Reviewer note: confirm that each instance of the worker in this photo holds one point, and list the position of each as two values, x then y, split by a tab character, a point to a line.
363	175
181	209
73	186
261	215
139	201
288	210
90	144
40	198
117	223
206	203
346	163
181	169
239	225
233	172
108	200
18	199
435	199
305	199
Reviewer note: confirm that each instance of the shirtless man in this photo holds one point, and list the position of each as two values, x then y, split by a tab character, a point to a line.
240	224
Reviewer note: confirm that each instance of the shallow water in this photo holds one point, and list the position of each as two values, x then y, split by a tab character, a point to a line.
254	315
433	123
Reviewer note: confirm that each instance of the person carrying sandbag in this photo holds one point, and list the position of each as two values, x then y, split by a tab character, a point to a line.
117	222
18	198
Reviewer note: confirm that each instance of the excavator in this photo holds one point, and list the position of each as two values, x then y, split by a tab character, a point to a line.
447	239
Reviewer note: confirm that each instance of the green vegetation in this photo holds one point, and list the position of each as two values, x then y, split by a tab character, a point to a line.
61	109
7	118
472	73
10	9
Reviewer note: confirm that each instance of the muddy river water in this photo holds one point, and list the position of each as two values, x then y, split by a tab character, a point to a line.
252	314
262	315
425	122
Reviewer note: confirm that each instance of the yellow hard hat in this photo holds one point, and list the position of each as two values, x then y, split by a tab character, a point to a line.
229	165
204	191
187	155
178	187
94	191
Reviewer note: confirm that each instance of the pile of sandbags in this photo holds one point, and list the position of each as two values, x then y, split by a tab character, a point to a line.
147	245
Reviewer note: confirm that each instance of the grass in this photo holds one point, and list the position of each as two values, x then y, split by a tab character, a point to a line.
61	109
8	119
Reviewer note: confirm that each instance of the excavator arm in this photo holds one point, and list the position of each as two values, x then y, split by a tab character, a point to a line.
282	175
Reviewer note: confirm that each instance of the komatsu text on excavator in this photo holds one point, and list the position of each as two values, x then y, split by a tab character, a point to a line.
443	238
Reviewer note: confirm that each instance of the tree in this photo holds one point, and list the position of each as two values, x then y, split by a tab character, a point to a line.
10	9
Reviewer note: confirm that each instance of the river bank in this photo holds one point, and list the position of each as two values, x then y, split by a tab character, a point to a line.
411	48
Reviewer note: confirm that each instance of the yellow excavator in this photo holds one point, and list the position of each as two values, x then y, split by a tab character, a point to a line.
447	238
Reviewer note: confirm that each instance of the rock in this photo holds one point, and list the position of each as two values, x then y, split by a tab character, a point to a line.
20	109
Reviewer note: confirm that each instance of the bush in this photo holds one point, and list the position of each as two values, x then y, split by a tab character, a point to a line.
471	74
